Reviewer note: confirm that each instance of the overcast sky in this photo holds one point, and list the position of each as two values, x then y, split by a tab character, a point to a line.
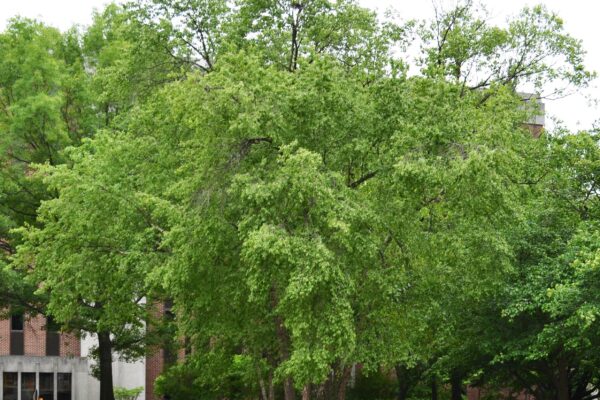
580	16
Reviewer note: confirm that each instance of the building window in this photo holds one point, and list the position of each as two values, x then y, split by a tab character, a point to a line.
46	386
16	322
52	338
170	350
27	385
64	386
17	342
10	387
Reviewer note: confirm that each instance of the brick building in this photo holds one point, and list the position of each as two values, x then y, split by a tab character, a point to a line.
38	360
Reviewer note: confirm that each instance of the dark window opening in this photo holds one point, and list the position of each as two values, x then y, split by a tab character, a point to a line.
52	344
170	350
10	386
27	385
46	385
52	338
63	385
16	322
17	341
169	356
51	325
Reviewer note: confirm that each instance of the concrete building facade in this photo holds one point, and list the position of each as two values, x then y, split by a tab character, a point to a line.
37	361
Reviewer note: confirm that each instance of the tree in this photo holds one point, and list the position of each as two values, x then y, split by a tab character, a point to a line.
44	107
550	305
532	51
55	103
306	204
97	282
284	32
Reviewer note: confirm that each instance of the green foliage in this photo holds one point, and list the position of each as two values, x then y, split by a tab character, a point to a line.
308	206
128	394
533	49
44	107
235	378
376	386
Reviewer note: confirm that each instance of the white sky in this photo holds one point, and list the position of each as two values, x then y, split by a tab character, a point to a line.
580	17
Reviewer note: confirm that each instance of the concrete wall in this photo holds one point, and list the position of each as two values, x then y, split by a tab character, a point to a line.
76	366
125	374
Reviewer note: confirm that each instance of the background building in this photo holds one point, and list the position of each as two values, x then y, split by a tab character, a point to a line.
37	359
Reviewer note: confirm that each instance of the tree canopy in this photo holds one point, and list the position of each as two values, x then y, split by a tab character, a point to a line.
310	207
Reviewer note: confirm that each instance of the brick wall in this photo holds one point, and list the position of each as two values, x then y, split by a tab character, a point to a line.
4	337
154	367
69	345
34	335
536	130
154	357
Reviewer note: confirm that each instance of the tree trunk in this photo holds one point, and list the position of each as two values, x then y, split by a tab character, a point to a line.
263	388
434	389
456	386
563	379
343	386
284	347
321	391
271	386
105	364
403	381
288	389
326	390
306	392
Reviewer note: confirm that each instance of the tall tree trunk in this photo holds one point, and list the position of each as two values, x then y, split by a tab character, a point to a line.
403	381
105	363
271	386
263	387
563	378
343	384
326	390
288	384
322	391
306	392
456	386
284	347
434	389
288	389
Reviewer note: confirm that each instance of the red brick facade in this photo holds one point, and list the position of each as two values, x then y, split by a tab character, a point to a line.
155	359
154	367
4	336
69	345
34	338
